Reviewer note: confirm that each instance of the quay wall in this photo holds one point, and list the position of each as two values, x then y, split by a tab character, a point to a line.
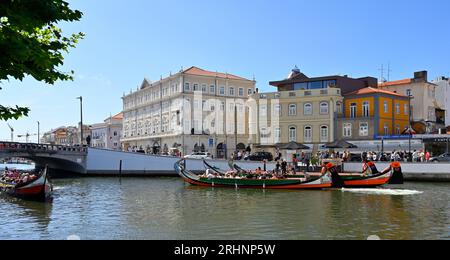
105	162
438	172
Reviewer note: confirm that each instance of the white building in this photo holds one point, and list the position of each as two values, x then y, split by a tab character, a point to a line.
443	95
107	135
192	110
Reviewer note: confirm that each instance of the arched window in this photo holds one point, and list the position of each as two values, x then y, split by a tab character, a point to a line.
308	134
324	108
324	133
292	134
308	109
292	110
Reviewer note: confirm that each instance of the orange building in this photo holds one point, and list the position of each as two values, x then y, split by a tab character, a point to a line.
372	112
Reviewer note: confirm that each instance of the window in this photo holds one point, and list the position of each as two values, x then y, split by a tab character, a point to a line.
187	86
347	130
308	134
196	87
353	111
222	90
264	134
308	109
231	91
222	106
363	129
300	86
204	88
292	134
405	108
250	91
277	110
204	105
386	107
397	130
315	85
231	107
339	107
324	108
213	124
397	109
324	133
292	110
366	109
277	135
263	110
386	130
329	83
212	89
241	92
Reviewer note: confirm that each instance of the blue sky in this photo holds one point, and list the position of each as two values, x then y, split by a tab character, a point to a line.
129	40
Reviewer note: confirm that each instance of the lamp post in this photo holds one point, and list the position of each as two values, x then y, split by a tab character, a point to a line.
81	115
39	134
410	126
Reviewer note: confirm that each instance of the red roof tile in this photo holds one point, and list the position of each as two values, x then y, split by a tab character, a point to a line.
395	83
366	91
202	72
118	116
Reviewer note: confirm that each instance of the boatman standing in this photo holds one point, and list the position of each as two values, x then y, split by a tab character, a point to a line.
332	169
397	174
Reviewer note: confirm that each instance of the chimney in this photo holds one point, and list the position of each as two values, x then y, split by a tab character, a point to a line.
421	76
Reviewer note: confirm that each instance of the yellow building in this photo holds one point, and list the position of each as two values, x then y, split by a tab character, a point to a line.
371	113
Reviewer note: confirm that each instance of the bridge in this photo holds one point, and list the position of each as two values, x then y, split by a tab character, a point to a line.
57	157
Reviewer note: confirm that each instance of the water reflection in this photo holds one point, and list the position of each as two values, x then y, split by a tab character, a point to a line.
166	208
27	217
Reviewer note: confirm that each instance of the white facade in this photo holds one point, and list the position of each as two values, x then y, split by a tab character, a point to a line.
443	95
191	110
107	135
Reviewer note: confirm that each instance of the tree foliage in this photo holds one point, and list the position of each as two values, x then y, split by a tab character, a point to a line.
32	44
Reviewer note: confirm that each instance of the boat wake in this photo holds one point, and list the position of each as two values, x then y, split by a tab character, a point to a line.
392	192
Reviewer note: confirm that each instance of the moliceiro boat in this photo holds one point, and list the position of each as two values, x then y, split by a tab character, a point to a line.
39	189
214	179
392	175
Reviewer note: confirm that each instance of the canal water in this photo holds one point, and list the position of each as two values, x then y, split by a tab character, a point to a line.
166	208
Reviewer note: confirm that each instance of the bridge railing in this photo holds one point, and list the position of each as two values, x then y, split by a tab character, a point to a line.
20	147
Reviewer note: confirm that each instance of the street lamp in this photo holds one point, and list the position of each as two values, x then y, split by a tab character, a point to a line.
410	125
39	134
81	115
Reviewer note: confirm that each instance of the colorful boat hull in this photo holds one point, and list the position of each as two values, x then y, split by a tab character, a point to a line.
366	182
320	183
38	190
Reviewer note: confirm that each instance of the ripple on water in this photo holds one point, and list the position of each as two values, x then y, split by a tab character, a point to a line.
96	208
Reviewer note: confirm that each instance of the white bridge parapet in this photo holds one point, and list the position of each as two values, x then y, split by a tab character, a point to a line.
61	158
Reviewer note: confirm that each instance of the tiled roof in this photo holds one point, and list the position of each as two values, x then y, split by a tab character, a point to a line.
366	91
395	83
202	72
118	116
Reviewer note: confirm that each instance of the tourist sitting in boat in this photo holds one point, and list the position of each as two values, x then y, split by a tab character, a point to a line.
369	168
